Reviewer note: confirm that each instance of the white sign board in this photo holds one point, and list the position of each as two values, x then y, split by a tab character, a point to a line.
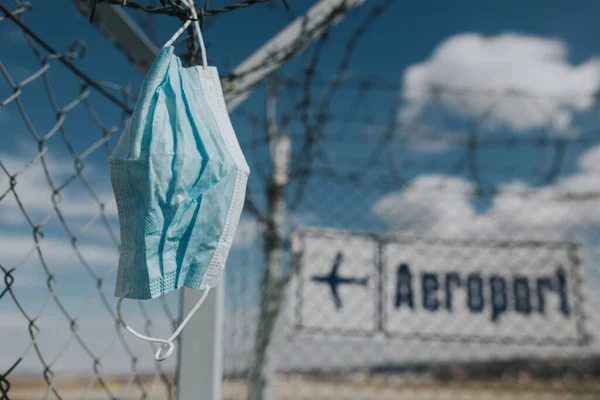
438	290
336	292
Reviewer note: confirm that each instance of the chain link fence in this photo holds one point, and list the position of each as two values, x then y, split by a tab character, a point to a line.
59	235
489	220
430	241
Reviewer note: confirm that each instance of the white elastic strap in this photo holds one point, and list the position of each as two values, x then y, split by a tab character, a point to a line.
159	356
178	33
192	7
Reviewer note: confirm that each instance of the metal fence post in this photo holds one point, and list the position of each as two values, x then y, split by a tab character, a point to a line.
201	349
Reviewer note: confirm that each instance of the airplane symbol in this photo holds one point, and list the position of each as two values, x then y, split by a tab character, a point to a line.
333	279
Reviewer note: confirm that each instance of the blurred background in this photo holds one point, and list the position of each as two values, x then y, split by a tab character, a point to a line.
422	218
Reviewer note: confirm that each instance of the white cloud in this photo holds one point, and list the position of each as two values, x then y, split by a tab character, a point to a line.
98	332
507	62
19	251
36	195
417	210
55	251
590	160
442	206
438	206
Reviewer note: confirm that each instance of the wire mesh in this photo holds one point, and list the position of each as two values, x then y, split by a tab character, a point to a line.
446	198
56	197
60	235
479	184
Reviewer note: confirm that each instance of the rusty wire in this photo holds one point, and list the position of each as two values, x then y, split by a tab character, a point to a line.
173	9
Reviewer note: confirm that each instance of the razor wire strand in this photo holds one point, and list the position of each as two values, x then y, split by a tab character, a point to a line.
320	117
392	131
175	9
46	57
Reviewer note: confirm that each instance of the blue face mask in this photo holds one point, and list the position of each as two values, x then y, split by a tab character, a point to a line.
179	179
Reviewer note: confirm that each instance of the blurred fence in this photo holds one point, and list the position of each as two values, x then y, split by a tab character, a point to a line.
446	171
460	193
493	186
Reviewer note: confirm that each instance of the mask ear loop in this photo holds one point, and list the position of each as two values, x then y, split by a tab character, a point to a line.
192	7
159	355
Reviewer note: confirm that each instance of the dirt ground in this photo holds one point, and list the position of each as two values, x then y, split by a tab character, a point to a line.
300	388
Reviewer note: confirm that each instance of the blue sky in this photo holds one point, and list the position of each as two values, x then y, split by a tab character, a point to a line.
405	37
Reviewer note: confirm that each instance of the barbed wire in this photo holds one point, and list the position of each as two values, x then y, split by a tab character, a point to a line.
395	133
310	120
61	58
175	9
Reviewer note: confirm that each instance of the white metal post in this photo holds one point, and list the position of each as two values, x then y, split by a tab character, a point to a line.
201	350
290	41
123	32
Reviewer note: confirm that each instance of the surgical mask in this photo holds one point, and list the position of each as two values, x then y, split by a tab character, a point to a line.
179	179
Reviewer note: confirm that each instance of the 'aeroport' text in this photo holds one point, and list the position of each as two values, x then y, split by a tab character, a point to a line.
492	294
